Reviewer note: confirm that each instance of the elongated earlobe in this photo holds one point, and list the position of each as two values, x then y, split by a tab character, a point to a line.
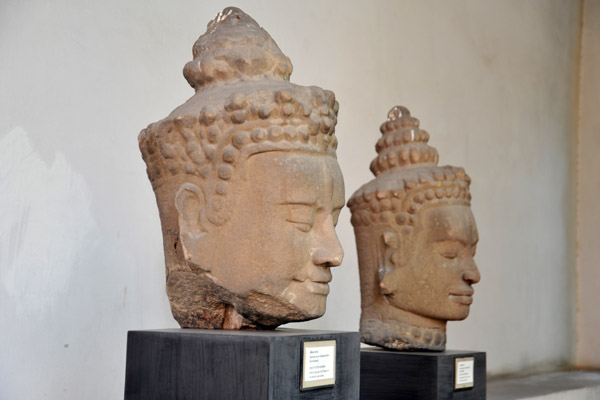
389	248
190	203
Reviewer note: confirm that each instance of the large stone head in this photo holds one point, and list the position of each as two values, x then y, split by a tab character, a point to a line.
416	239
247	185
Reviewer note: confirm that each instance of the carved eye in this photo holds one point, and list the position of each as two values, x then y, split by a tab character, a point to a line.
449	254
301	216
301	226
449	249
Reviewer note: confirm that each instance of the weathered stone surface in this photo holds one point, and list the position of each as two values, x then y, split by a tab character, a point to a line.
416	239
247	185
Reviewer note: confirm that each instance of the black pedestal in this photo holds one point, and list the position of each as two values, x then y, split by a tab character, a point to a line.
386	374
230	365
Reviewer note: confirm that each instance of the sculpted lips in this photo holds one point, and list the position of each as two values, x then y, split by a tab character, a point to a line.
318	287
464	297
317	281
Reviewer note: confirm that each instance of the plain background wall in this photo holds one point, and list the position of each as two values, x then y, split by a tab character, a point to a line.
81	262
588	218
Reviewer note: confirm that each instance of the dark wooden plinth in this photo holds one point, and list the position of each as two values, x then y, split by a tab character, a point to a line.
386	374
230	365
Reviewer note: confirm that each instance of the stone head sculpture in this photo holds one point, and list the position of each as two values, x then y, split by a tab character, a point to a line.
416	238
247	185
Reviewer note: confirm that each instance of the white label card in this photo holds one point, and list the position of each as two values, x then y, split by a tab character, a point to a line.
463	372
318	364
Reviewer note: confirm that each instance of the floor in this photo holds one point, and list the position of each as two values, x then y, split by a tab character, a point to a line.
567	385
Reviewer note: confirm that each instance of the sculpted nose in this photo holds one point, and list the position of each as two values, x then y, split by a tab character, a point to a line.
471	274
328	251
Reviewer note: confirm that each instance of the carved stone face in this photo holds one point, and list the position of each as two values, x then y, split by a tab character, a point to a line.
247	185
435	275
416	238
275	252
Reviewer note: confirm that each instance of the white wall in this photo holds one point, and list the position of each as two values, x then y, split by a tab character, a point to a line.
80	244
588	218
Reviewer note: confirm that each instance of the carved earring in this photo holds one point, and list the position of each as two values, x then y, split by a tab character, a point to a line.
388	263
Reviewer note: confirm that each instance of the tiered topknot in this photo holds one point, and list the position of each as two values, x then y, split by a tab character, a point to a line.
244	104
235	47
407	176
402	143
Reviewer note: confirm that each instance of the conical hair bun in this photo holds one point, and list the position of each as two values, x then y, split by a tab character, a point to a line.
234	48
403	143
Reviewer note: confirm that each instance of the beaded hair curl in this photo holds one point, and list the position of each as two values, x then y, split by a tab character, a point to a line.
244	105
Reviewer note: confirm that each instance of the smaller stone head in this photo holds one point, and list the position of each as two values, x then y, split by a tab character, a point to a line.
247	184
416	238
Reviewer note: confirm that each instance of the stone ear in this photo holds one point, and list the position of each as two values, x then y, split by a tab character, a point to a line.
191	203
389	253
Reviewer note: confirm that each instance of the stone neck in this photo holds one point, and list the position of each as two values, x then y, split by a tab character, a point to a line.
398	329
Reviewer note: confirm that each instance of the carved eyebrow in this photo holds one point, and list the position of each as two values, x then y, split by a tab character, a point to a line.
462	241
453	239
307	203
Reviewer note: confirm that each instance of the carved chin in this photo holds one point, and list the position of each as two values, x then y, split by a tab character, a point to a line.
197	301
315	309
464	313
456	312
287	307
